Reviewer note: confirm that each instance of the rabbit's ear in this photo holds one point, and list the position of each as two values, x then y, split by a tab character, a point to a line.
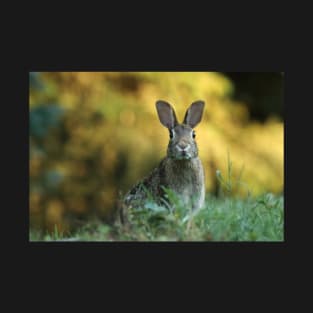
194	114
166	114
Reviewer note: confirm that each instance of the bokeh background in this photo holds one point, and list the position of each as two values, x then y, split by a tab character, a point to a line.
92	135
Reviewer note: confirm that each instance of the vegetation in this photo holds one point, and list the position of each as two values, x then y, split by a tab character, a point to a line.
221	219
228	219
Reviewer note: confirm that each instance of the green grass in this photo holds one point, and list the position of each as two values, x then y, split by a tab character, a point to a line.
222	219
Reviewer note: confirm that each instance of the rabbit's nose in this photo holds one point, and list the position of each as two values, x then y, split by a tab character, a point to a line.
183	147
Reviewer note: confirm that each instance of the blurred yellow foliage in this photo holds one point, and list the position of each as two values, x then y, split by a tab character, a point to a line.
110	137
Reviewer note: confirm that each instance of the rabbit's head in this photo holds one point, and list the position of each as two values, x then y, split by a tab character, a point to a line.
182	144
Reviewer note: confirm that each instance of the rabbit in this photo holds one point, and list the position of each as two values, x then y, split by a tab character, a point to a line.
181	170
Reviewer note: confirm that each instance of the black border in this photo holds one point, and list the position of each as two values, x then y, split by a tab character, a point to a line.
222	56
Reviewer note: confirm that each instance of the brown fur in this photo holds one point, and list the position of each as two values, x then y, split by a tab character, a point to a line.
181	170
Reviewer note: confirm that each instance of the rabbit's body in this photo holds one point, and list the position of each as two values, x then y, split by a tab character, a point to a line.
181	170
184	177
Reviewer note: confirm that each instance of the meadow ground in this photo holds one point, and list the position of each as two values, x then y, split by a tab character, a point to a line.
222	219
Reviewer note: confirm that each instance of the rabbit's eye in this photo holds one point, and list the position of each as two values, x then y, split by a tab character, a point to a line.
193	134
171	134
